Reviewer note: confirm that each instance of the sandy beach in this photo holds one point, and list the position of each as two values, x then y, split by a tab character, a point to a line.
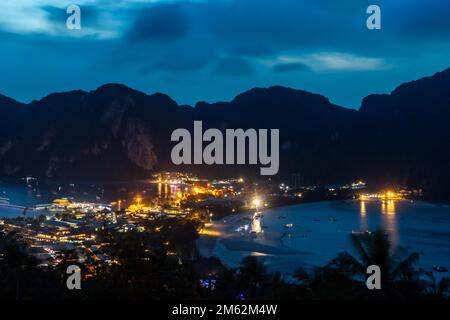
321	230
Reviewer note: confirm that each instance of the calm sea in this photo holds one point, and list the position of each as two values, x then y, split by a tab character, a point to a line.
321	230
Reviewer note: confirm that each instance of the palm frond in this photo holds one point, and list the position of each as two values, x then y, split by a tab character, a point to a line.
357	244
443	286
346	263
406	265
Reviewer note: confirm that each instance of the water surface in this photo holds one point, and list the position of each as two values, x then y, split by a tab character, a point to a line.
321	230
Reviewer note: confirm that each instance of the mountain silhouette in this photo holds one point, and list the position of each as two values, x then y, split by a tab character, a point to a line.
115	132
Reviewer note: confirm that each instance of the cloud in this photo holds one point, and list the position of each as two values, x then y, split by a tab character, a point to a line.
104	19
329	61
48	17
345	62
289	67
160	22
229	44
22	17
233	66
90	14
426	21
180	62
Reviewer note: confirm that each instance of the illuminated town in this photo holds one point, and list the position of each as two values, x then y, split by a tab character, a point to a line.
67	225
233	155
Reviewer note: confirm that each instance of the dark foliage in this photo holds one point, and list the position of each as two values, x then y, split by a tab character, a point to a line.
145	269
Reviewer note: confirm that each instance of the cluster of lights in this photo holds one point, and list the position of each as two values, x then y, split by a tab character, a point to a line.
256	202
358	185
387	195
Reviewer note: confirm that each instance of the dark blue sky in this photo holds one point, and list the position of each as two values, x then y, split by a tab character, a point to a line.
213	50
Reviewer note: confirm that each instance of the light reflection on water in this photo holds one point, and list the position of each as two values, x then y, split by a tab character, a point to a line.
18	193
388	217
417	226
256	223
363	217
390	221
363	208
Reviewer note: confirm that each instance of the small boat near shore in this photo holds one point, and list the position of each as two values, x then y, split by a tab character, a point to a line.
324	240
361	232
440	269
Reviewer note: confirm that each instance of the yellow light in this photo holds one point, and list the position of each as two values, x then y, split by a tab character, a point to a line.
256	202
209	232
363	208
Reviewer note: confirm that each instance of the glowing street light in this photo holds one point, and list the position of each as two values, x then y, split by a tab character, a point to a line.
256	202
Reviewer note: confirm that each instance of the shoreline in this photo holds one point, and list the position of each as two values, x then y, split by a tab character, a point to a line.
207	245
324	238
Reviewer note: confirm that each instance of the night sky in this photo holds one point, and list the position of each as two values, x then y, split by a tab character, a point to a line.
213	50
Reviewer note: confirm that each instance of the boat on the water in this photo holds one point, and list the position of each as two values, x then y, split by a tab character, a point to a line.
288	225
440	269
361	232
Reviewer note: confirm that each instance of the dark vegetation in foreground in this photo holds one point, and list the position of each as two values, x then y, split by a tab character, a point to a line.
166	265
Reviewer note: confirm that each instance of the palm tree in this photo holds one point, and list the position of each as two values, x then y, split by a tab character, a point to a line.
15	261
253	278
326	283
438	289
226	284
399	277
